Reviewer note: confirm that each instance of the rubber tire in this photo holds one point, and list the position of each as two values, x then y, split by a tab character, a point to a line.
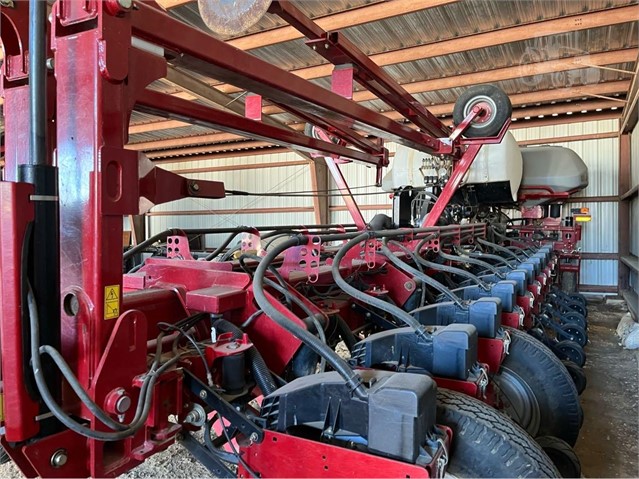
572	351
579	334
562	455
577	374
502	113
539	367
486	443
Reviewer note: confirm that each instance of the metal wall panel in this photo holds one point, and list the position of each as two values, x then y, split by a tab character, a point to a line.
263	180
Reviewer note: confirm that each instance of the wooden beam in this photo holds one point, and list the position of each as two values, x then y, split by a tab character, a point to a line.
184	141
510	73
575	107
565	119
592	199
215	148
568	139
214	156
534	30
631	115
350	18
156	126
251	166
630	297
596	288
234	211
623	225
169	4
320	182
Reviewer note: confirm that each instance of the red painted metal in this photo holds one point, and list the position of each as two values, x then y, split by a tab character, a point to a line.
320	460
19	407
491	352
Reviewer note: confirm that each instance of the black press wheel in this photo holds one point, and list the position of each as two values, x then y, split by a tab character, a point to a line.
494	100
572	332
575	318
562	455
572	352
577	374
475	425
535	390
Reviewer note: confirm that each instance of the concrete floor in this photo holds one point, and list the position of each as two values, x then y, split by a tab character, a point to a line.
609	441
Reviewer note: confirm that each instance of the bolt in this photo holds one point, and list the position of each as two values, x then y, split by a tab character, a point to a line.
203	394
59	458
126	4
253	437
194	186
326	46
233	345
409	285
50	63
123	404
368	315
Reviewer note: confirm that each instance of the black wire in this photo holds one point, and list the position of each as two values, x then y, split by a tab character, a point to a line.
306	194
162	326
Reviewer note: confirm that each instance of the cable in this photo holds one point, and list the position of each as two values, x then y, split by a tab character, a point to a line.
170	327
144	402
352	379
424	277
366	298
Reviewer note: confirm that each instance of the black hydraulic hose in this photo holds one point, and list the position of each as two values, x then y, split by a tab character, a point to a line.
345	332
415	272
352	379
449	269
516	238
399	313
226	242
145	397
494	257
496	247
477	262
258	367
37	82
294	299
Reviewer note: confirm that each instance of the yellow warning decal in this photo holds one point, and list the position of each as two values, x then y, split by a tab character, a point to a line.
111	301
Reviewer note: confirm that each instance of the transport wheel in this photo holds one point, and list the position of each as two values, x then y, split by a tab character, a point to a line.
574	318
486	443
574	333
572	352
577	374
490	97
562	456
534	388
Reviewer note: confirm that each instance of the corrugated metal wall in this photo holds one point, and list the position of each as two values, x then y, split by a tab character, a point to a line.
600	235
236	210
602	158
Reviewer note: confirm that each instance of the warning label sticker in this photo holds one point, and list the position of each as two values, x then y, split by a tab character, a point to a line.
111	301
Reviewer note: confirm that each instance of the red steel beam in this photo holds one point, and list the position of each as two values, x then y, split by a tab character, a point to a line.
208	56
162	104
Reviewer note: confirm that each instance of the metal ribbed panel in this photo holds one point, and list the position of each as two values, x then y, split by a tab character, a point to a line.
263	180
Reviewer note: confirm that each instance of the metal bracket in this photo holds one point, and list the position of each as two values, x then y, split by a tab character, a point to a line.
226	410
205	457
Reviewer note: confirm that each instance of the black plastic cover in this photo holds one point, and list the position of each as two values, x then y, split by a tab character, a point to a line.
450	352
484	314
394	420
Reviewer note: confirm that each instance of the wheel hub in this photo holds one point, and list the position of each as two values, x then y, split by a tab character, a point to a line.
517	400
